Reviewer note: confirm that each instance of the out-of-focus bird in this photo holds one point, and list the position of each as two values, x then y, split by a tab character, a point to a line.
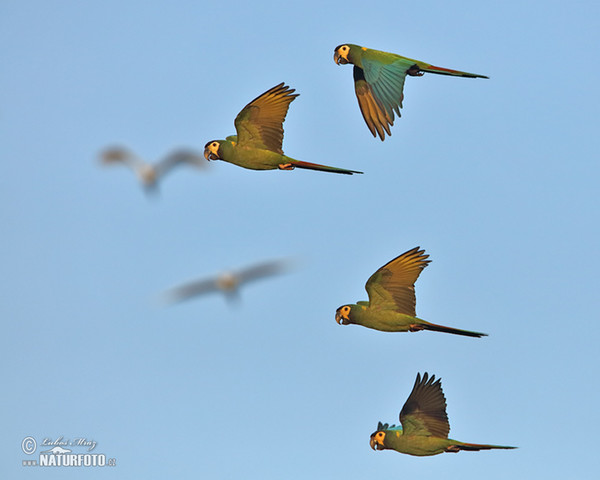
425	426
391	305
228	282
150	174
379	82
258	144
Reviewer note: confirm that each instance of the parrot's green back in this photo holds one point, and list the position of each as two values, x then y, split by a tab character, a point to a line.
251	158
418	445
400	62
384	320
423	446
262	159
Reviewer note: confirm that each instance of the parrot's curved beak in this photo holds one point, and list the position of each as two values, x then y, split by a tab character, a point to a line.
341	318
338	59
211	150
374	442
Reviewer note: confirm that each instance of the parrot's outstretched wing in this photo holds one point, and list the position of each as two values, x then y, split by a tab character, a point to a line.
424	412
379	88
393	285
260	123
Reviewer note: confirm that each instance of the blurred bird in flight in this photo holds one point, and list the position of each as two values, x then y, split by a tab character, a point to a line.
228	282
150	174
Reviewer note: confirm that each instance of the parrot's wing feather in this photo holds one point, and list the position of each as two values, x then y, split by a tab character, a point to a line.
261	270
260	123
383	93
372	111
178	157
424	412
393	284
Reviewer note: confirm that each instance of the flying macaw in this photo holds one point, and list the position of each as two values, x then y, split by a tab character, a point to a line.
149	174
227	282
258	144
391	305
379	82
425	426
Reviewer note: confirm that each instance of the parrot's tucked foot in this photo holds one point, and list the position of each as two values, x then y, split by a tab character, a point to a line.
286	166
452	449
415	327
415	71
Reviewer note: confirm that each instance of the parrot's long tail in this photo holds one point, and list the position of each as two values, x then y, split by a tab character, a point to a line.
440	328
475	447
447	71
322	168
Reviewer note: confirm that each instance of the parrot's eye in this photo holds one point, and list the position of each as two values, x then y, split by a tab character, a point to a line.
346	309
380	434
214	144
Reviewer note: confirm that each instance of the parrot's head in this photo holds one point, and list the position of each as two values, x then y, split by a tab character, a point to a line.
377	440
342	315
211	150
341	54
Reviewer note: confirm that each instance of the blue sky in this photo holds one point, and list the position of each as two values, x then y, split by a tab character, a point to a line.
497	179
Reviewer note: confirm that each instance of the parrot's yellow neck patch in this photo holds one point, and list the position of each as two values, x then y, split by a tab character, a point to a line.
233	143
364	48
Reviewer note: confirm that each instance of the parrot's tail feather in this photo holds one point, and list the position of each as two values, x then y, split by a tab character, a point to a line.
322	168
447	71
440	328
475	447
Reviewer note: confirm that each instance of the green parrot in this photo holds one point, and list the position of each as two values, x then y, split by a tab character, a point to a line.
425	426
259	138
391	305
379	81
